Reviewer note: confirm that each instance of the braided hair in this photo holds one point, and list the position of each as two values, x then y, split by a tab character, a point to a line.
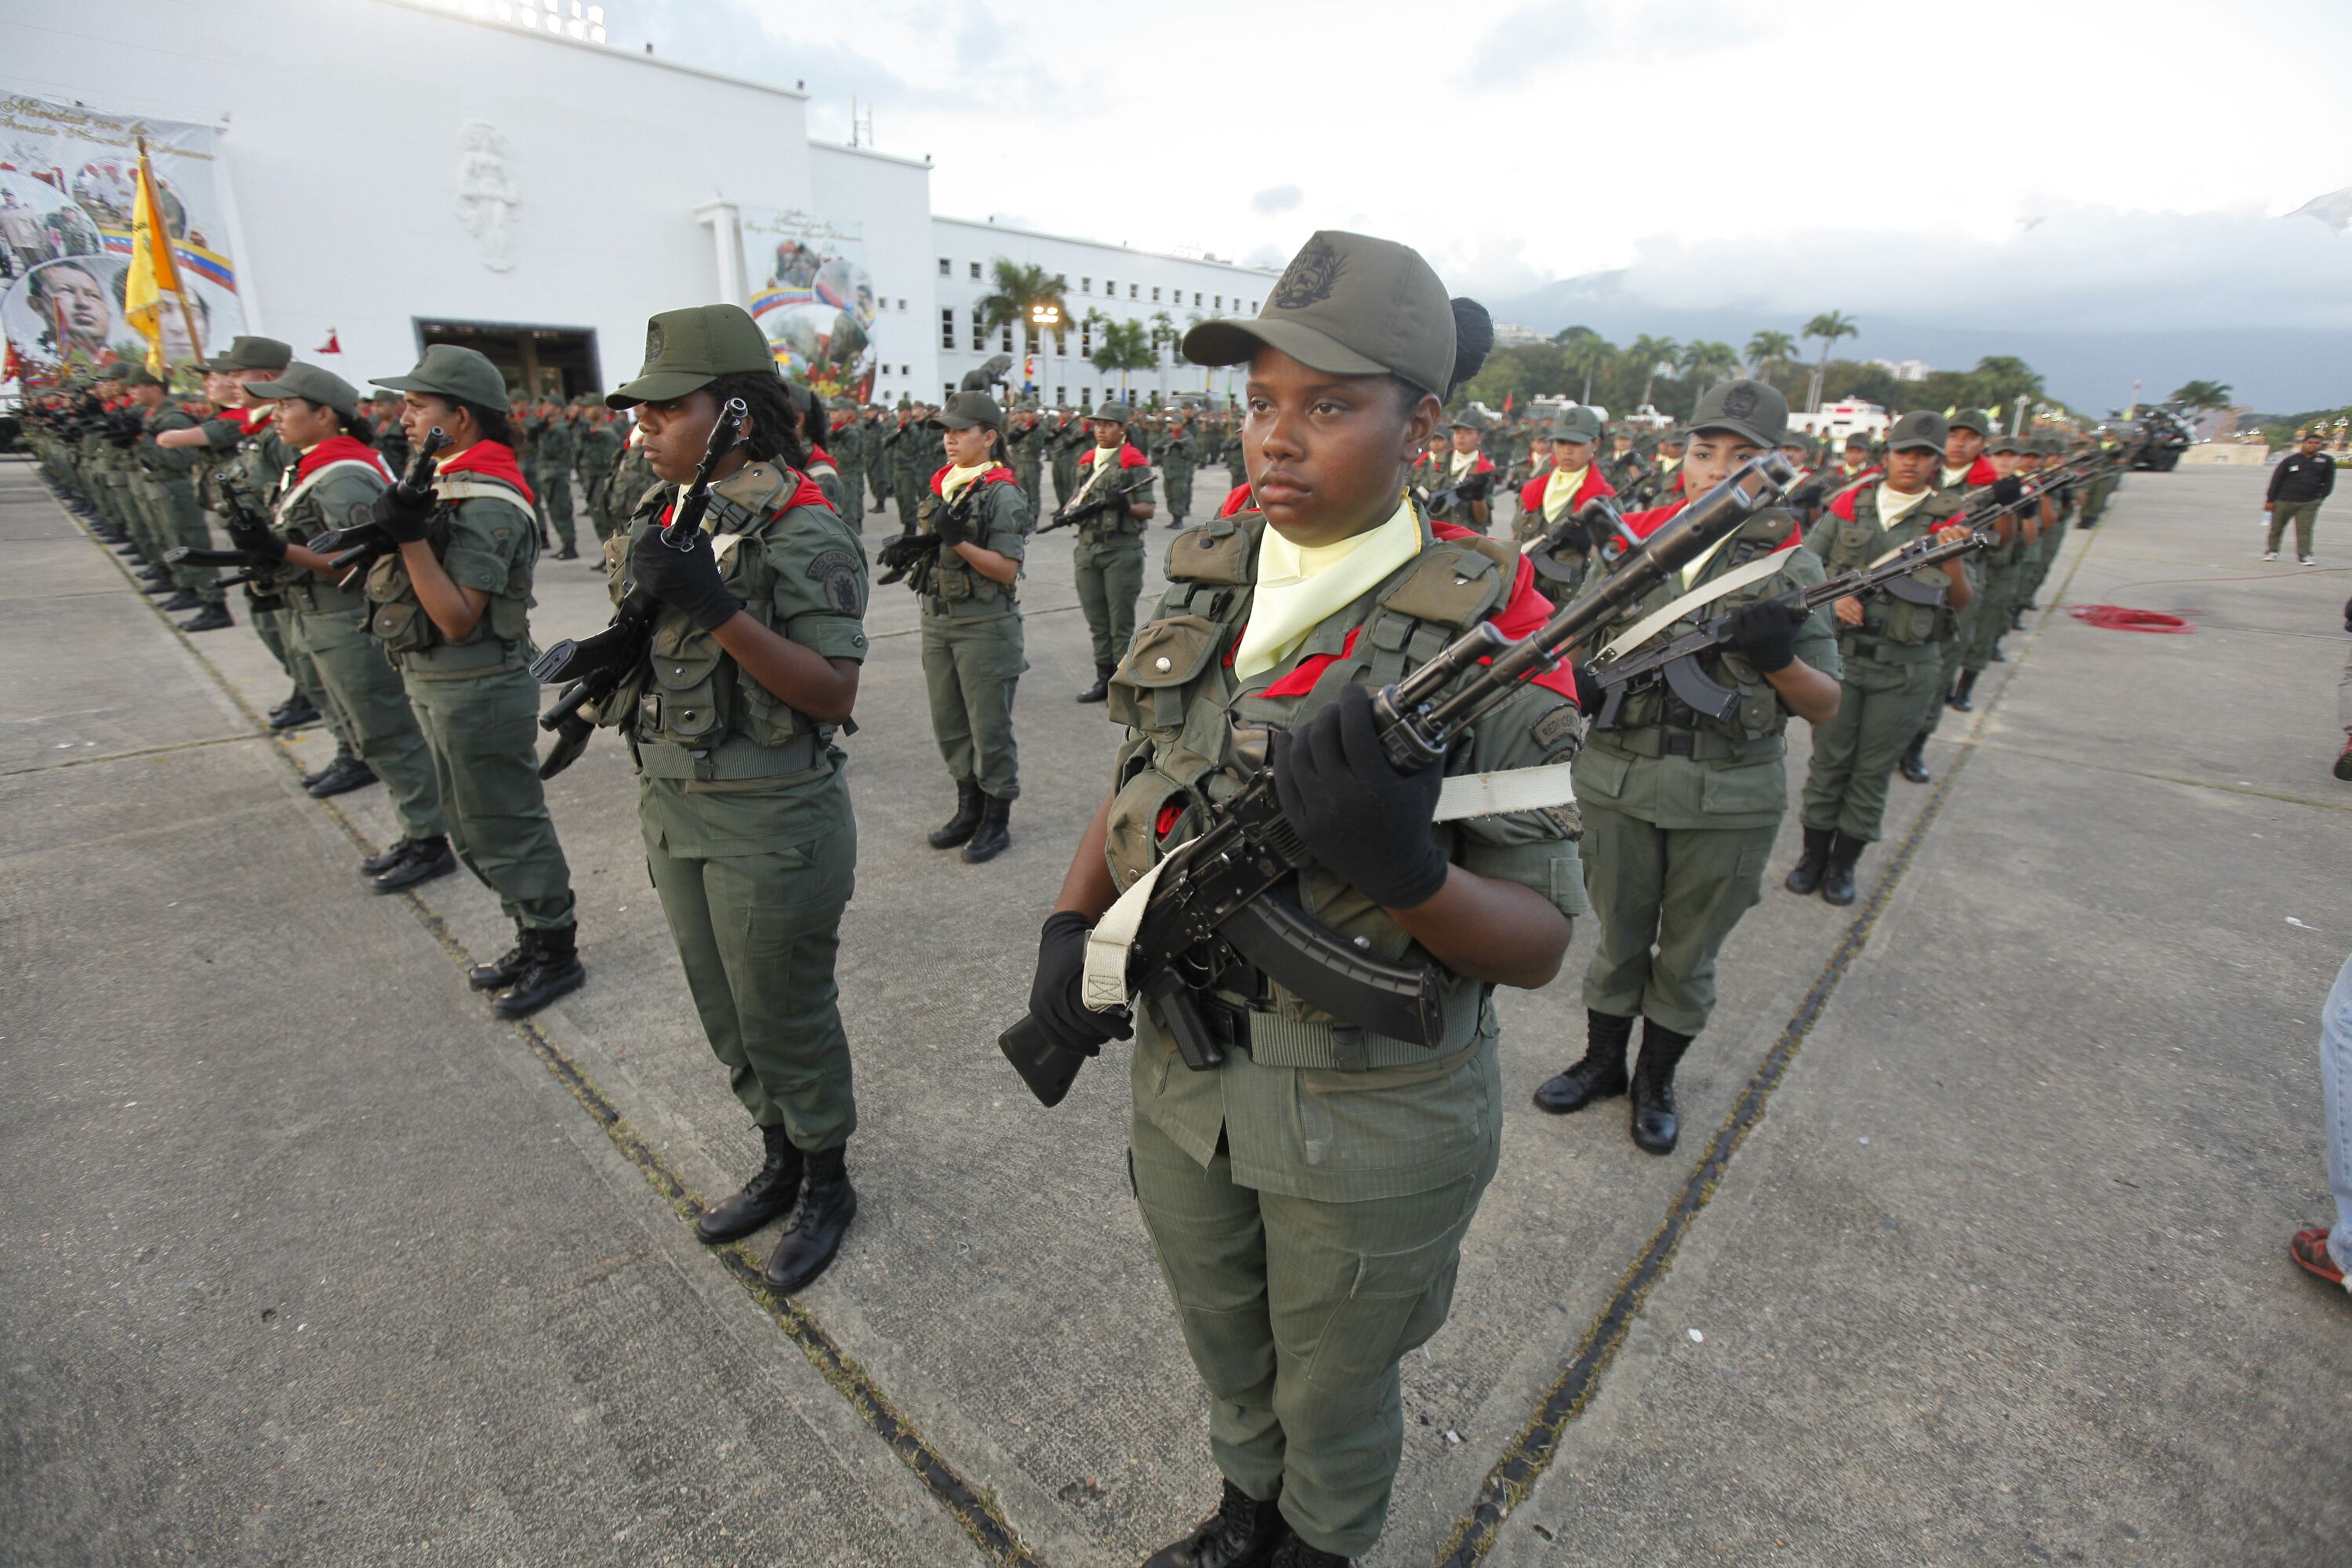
775	422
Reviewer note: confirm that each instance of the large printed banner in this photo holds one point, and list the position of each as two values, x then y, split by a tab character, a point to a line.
65	181
813	297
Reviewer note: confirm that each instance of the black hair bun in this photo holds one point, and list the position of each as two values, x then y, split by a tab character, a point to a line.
1474	339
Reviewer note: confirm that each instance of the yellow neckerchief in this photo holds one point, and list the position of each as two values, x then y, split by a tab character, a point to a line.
1298	586
1953	477
1465	461
1894	506
1560	488
1105	459
956	478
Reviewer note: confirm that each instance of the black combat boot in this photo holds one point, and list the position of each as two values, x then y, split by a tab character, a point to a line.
993	834
1913	766
1837	882
550	969
505	969
342	754
385	859
1806	874
1655	1126
1602	1072
342	776
1296	1553
1959	701
211	618
1242	1534
769	1194
827	1205
186	599
1100	690
1996	656
298	709
2017	617
423	860
959	827
569	552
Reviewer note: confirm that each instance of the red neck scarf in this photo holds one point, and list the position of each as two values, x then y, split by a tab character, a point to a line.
805	493
1128	457
492	460
995	474
338	449
819	454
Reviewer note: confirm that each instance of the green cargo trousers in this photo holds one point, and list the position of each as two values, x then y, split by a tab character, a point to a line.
2302	514
558	497
1955	647
1110	579
276	629
758	934
178	519
482	729
971	671
368	709
267	617
1180	492
1296	1314
1996	598
1883	705
1666	898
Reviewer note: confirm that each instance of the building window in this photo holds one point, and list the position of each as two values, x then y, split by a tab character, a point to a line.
1220	304
1061	342
943	266
1062	395
1110	289
1086	397
1008	338
946	389
902	304
1196	297
975	271
1155	293
1132	289
979	332
947	327
1086	285
1085	339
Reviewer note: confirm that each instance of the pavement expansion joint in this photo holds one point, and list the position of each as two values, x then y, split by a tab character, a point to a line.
1530	1454
974	1508
134	754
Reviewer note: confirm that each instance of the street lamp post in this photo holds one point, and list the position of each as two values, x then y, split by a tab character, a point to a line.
1042	320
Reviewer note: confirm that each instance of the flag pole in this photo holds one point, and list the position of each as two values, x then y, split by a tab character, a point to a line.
187	315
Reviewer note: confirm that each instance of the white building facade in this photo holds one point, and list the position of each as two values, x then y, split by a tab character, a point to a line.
538	194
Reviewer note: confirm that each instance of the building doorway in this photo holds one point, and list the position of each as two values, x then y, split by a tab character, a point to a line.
545	361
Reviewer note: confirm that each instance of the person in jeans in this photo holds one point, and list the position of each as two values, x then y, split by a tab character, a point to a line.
2344	706
2297	487
2325	1252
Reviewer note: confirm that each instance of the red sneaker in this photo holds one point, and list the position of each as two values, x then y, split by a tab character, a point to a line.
2344	763
2309	1250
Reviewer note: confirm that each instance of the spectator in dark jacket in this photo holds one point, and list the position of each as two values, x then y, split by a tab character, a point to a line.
2297	487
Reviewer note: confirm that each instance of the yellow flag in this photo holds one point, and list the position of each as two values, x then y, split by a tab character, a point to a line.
154	272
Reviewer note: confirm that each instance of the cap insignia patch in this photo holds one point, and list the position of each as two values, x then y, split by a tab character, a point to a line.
1310	278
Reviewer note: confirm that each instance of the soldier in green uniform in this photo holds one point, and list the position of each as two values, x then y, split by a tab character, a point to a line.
1308	1200
1965	469
846	442
919	455
391	439
1679	809
971	623
881	464
1178	456
163	488
559	449
335	484
1069	439
2002	587
1891	650
742	797
1108	559
2053	539
631	474
451	606
599	449
1025	453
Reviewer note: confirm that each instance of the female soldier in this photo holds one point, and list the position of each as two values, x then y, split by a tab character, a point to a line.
971	623
741	794
451	607
1680	809
1306	1260
337	482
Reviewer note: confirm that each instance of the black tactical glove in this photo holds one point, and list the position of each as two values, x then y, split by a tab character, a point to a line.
948	524
402	516
2008	490
686	580
255	538
1764	632
1589	693
1366	821
1054	994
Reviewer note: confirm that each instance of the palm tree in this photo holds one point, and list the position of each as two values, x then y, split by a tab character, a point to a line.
2203	394
1708	363
1829	326
1017	291
1769	351
1649	355
1122	346
1591	353
2002	379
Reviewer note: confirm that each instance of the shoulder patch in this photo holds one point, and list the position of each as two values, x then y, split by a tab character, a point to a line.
835	572
362	512
1558	729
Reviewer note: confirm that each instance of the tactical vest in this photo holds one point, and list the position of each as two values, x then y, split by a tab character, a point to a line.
398	620
1754	726
1106	524
959	593
1892	630
689	712
1197	740
299	520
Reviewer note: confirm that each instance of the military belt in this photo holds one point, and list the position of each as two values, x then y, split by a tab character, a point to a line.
736	758
1855	645
1673	741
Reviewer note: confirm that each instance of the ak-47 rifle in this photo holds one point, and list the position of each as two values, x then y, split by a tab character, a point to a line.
1675	662
1472	486
1218	900
1076	511
1598	525
352	551
596	666
913	556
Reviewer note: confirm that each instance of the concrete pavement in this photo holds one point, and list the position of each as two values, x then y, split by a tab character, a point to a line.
2045	1308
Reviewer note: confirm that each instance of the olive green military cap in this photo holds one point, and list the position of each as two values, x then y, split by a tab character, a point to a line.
1921	427
448	371
688	350
1115	413
1470	419
963	410
313	383
253	353
585	400
1975	419
1575	424
1747	408
2007	444
1347	304
139	375
110	373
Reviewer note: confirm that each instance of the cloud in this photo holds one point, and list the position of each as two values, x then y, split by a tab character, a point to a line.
1595	37
1276	199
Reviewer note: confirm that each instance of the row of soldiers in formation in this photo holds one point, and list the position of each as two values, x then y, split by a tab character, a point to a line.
747	674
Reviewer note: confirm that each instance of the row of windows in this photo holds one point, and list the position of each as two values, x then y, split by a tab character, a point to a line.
948	329
1061	395
1110	289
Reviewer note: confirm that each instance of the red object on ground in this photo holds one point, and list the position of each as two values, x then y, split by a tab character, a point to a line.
2309	1250
2123	618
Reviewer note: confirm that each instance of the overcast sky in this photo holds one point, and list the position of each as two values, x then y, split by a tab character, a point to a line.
2035	162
